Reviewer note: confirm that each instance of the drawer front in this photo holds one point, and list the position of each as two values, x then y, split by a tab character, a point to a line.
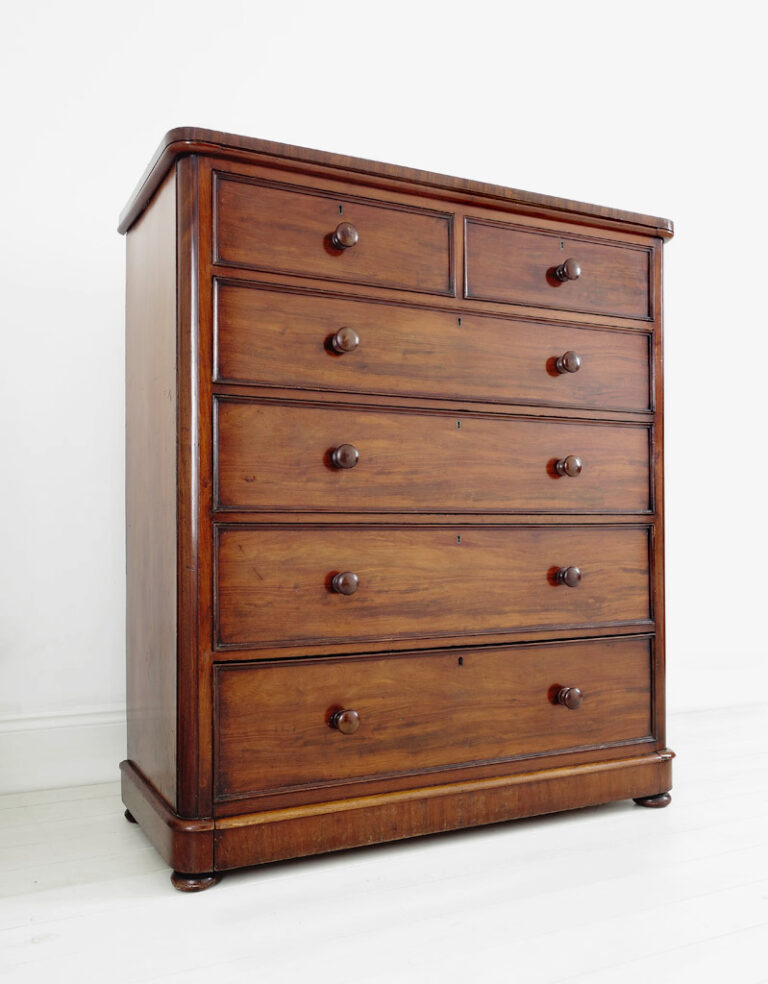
277	338
275	723
515	265
288	229
279	457
275	585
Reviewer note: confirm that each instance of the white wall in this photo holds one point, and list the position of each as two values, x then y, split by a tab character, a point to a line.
639	106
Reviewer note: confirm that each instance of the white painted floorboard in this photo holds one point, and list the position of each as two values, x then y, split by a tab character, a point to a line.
597	896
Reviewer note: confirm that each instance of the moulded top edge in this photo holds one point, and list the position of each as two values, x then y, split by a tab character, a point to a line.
194	140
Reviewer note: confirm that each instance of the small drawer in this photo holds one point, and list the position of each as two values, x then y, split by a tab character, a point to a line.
309	341
296	457
327	722
316	233
300	585
516	265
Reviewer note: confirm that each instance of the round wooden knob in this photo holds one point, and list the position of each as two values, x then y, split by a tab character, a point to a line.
569	270
570	576
570	466
346	583
345	236
347	722
570	697
347	340
345	456
568	362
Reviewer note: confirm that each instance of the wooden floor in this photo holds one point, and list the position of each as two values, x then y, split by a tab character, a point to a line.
599	896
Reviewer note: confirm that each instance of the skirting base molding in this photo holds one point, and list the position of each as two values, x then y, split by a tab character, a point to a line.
210	845
56	750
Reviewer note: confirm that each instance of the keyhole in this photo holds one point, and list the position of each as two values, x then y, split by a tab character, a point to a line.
459	321
458	425
341	212
461	660
562	244
458	538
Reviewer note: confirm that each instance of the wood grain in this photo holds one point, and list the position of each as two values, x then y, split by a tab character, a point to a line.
273	585
196	140
448	523
280	338
288	228
657	555
185	844
508	263
422	712
279	456
190	674
151	397
270	836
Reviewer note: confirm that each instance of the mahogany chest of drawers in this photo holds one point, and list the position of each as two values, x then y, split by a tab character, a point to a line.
394	504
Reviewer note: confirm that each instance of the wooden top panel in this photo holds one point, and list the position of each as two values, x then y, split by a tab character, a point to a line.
193	140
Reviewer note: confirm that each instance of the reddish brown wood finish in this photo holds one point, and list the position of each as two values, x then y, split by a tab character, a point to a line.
660	800
240	297
193	883
507	263
290	229
289	833
151	492
421	712
272	835
186	140
279	456
282	338
273	584
335	186
193	757
186	845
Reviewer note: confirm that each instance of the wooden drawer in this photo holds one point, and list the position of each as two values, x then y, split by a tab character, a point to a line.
416	713
279	457
279	338
274	585
517	265
288	229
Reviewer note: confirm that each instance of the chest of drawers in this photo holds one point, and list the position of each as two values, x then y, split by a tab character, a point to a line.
394	504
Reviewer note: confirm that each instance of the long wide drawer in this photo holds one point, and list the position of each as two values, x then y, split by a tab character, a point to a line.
286	585
297	457
522	266
280	338
290	229
330	721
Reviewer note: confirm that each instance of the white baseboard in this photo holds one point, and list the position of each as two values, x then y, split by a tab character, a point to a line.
55	750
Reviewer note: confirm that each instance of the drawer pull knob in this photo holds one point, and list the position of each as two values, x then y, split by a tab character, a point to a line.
347	722
347	340
570	697
569	576
569	270
345	456
570	466
568	362
346	583
345	236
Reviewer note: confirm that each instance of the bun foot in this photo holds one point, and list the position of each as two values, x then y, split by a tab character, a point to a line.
194	883
130	817
661	799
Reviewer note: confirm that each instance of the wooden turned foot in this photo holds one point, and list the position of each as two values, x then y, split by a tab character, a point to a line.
194	883
661	799
130	817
